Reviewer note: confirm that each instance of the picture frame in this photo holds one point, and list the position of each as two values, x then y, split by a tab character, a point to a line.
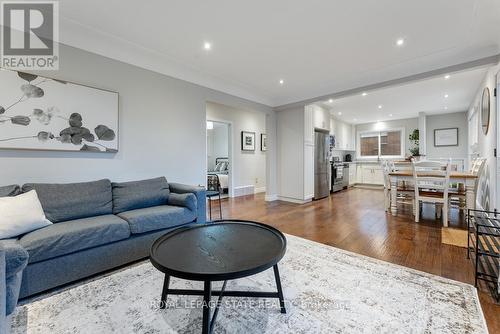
247	141
445	137
56	115
263	142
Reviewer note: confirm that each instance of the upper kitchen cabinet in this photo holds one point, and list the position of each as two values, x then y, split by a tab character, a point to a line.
344	135
321	117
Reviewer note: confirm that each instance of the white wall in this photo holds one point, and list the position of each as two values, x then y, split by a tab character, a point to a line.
162	129
290	153
249	168
217	143
409	124
487	143
450	120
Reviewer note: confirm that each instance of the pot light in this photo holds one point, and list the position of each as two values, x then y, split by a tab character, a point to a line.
330	101
390	115
379	106
445	108
210	125
339	113
445	96
447	76
354	119
207	45
400	42
364	94
282	81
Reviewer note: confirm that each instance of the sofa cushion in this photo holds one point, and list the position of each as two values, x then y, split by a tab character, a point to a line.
139	194
74	235
157	217
63	202
16	257
12	190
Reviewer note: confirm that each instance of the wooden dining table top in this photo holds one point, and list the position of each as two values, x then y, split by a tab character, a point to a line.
453	174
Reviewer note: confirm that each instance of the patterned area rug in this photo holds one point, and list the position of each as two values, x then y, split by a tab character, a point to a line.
327	290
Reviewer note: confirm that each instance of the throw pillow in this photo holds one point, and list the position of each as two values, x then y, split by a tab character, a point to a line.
21	214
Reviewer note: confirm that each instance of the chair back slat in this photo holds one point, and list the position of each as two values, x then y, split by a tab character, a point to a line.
431	176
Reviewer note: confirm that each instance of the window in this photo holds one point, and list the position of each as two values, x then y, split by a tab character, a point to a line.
378	144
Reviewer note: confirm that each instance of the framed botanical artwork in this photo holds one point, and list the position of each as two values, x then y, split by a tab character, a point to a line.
247	141
263	142
40	113
446	137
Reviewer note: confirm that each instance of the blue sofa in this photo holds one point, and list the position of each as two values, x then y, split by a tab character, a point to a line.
97	226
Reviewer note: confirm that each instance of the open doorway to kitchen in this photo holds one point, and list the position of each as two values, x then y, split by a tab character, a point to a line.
219	164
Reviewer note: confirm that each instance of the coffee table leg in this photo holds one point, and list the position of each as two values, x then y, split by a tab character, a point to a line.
207	296
163	301
280	290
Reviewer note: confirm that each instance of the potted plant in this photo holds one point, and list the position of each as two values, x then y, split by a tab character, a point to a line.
414	139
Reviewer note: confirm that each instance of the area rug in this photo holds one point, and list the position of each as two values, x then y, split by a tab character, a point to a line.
454	237
327	290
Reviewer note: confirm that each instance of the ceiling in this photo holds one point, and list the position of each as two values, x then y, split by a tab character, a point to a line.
407	100
317	47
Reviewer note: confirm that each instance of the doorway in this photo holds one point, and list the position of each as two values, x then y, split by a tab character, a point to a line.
219	164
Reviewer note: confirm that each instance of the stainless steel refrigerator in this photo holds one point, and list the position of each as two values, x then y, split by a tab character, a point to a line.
321	164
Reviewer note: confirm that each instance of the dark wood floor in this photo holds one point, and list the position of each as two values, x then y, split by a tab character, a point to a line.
355	220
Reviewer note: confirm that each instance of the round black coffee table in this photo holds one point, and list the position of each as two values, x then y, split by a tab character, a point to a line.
219	251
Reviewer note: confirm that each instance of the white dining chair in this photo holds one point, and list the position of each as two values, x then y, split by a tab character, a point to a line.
404	192
431	182
458	194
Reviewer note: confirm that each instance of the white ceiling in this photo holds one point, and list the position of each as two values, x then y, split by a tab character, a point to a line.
407	100
318	47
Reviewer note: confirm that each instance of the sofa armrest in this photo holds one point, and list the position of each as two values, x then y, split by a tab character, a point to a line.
16	257
187	200
200	194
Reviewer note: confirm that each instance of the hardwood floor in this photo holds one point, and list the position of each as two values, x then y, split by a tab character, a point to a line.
355	220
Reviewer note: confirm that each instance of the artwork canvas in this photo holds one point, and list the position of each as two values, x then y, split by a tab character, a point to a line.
446	137
247	141
263	142
41	113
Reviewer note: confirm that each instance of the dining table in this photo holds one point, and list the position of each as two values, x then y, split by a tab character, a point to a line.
468	179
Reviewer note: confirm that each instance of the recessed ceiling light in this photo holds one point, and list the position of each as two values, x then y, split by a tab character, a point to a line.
207	45
354	119
364	94
282	81
447	76
340	113
390	115
445	96
380	106
400	42
445	108
330	101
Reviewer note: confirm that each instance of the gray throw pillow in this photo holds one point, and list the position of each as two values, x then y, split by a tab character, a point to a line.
12	190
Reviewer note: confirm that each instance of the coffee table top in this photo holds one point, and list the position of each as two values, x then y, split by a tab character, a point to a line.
222	250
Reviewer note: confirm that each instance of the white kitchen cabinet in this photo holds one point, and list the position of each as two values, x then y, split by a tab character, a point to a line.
343	135
321	117
371	174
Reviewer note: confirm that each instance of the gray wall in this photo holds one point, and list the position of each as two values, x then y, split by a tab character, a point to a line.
451	120
162	127
409	124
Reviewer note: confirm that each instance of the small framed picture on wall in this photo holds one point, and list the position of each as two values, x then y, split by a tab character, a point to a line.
263	142
446	137
247	141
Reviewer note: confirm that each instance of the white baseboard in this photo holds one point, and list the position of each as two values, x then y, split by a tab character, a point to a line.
294	200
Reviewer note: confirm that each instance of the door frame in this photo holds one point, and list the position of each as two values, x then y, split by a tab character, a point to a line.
230	150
